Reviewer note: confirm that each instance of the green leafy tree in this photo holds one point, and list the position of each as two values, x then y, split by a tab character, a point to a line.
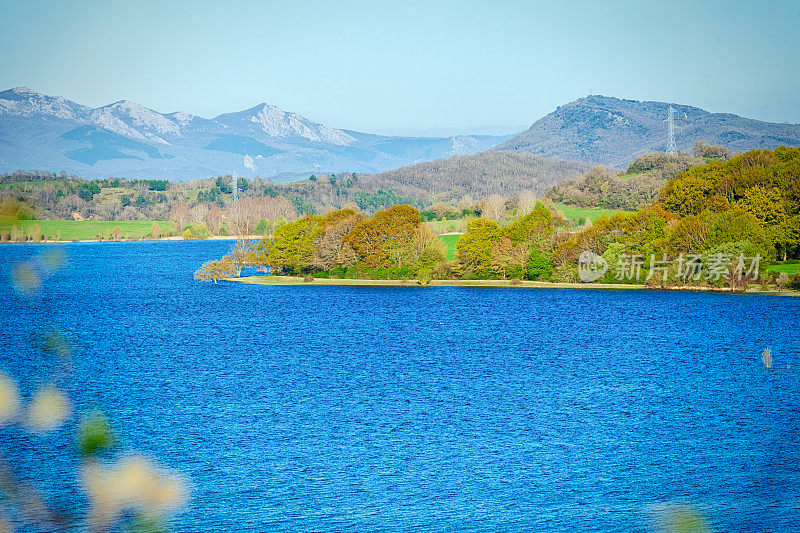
292	244
539	266
475	246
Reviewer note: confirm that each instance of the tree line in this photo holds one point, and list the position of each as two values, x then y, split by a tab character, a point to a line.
748	205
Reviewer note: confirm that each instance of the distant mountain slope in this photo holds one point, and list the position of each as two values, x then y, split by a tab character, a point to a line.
600	129
446	180
479	175
125	139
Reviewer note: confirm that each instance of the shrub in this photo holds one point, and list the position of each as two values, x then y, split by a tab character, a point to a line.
424	275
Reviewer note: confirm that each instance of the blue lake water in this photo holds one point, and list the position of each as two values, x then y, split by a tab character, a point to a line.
418	409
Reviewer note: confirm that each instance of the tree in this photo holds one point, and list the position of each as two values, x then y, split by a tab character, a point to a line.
711	151
179	216
475	246
786	237
494	207
386	237
767	205
216	270
155	230
535	228
337	225
501	256
292	245
213	219
526	202
539	266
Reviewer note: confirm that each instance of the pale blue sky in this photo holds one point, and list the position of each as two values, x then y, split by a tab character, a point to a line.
407	67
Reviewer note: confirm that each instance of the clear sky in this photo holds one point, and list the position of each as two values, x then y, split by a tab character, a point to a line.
407	67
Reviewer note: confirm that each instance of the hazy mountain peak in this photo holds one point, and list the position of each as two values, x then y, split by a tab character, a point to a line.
273	122
130	140
134	120
23	90
25	102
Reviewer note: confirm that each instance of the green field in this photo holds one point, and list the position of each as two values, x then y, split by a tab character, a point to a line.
450	241
786	268
68	230
575	213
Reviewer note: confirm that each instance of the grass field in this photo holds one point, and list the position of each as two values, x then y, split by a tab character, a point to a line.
450	241
572	212
68	230
786	268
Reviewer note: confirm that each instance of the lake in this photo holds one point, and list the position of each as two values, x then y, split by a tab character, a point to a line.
306	408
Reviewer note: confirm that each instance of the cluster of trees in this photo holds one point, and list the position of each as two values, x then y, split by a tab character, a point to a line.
195	209
637	187
395	243
748	205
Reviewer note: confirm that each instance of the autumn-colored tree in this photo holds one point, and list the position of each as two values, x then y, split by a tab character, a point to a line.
711	151
689	234
336	224
385	238
155	230
216	270
501	256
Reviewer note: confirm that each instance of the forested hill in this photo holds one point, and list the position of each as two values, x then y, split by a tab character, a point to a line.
479	175
611	131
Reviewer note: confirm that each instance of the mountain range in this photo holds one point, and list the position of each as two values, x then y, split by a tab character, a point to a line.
612	131
125	139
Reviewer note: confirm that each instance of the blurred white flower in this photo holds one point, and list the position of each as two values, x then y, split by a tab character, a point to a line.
132	483
49	408
9	398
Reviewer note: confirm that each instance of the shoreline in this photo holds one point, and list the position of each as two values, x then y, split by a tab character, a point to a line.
489	283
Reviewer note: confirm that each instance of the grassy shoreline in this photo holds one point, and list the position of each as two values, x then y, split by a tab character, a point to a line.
495	283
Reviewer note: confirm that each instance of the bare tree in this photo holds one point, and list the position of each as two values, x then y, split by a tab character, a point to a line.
526	202
494	207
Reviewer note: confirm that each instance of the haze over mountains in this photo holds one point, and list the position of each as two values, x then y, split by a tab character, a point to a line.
125	139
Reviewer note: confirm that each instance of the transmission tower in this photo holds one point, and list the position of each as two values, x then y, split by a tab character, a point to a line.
235	189
671	147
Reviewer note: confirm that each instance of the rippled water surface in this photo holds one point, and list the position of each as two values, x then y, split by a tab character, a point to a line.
421	409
